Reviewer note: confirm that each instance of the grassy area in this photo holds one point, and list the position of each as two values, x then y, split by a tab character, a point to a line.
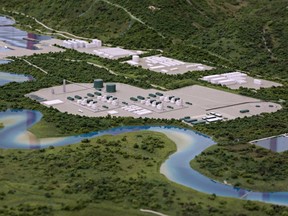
109	175
266	172
45	129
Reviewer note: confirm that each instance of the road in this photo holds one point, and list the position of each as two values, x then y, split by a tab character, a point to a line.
153	212
35	66
62	33
133	17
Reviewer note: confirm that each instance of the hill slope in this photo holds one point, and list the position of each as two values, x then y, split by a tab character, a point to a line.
250	34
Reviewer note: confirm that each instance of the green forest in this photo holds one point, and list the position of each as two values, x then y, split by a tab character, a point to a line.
226	34
219	28
110	175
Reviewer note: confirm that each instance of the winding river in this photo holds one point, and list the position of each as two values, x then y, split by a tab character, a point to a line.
176	168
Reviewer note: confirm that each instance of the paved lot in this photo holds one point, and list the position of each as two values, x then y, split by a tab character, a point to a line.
250	84
204	100
166	65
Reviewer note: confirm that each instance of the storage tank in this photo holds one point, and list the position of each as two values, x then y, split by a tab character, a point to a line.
111	88
166	99
147	103
90	104
94	107
98	83
115	103
135	58
159	106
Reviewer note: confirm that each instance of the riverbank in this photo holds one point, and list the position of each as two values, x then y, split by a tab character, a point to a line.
217	164
114	175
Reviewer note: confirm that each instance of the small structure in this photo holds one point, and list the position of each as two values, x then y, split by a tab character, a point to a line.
113	52
75	44
98	83
135	58
257	82
111	88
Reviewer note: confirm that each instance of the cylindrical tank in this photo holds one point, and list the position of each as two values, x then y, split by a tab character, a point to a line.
111	88
166	99
135	58
94	106
115	103
98	83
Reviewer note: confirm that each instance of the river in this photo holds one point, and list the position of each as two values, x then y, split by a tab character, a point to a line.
16	37
176	168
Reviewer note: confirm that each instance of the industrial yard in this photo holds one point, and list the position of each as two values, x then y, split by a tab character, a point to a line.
235	80
96	48
193	104
166	65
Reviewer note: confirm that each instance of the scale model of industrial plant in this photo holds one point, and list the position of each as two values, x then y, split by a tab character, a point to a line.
152	108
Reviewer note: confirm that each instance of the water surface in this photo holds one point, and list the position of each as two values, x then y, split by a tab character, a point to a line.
6	78
16	37
176	168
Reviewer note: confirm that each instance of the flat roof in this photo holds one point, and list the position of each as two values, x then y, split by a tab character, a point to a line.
162	64
116	51
52	102
204	100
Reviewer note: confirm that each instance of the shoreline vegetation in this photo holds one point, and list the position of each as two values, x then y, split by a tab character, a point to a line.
116	174
217	41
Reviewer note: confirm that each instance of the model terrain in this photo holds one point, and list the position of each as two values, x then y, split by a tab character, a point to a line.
144	108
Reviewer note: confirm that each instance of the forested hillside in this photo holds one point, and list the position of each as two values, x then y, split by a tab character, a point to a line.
251	34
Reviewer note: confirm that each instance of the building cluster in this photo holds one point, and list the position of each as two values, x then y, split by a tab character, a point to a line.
74	44
97	100
114	52
227	78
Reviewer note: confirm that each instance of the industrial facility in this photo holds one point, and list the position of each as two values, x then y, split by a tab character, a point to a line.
74	44
193	105
115	52
166	65
96	48
235	80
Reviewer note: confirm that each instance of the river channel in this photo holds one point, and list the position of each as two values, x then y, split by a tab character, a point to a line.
176	168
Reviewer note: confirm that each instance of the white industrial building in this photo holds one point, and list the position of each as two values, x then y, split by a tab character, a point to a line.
113	53
227	79
74	44
166	65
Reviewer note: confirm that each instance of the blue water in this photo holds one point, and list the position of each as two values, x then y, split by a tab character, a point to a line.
6	78
177	168
6	21
2	61
14	36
